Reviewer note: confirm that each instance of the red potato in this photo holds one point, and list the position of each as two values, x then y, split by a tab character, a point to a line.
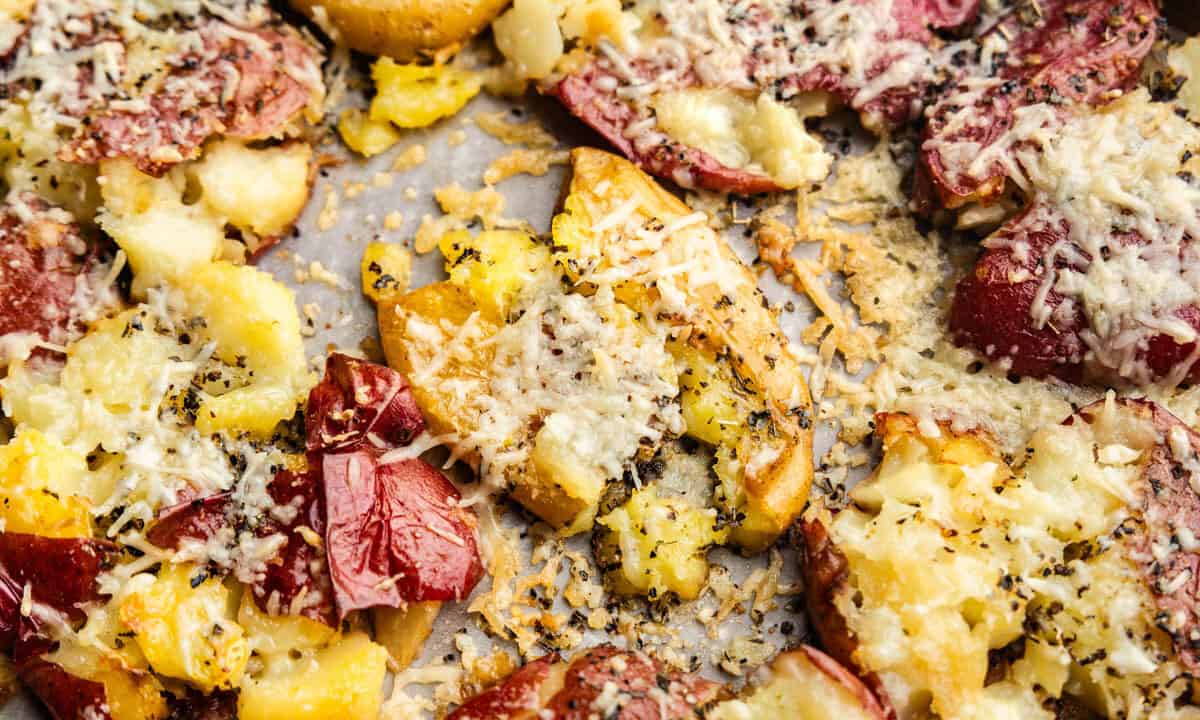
38	562
395	533
66	696
1150	551
181	115
46	273
686	166
197	519
298	569
803	684
359	404
520	696
1070	50
604	681
1169	504
991	311
592	93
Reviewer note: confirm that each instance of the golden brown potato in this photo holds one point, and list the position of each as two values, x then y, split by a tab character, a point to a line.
404	29
617	223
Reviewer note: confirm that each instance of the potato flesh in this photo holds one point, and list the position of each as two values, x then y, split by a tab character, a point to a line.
403	631
950	554
343	680
182	623
416	96
796	689
717	310
759	135
1185	60
662	542
385	271
43	486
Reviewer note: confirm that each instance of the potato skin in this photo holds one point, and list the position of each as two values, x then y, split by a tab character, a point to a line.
823	567
403	29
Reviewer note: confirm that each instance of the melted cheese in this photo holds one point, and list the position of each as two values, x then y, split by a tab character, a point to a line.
1107	173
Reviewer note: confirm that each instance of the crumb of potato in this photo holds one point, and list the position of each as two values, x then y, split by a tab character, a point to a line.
393	220
329	211
355	189
321	274
382	179
411	157
456	138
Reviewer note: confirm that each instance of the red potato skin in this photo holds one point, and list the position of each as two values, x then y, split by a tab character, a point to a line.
267	98
297	568
1078	53
648	690
838	673
516	697
39	562
991	310
395	533
358	399
641	678
65	696
42	263
197	519
825	573
991	313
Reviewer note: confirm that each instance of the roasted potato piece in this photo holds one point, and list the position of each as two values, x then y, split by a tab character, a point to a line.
404	29
661	543
416	96
653	541
413	325
365	136
687	275
44	487
182	620
804	684
403	630
515	365
385	270
957	585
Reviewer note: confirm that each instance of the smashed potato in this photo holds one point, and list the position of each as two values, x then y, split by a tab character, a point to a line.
963	586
